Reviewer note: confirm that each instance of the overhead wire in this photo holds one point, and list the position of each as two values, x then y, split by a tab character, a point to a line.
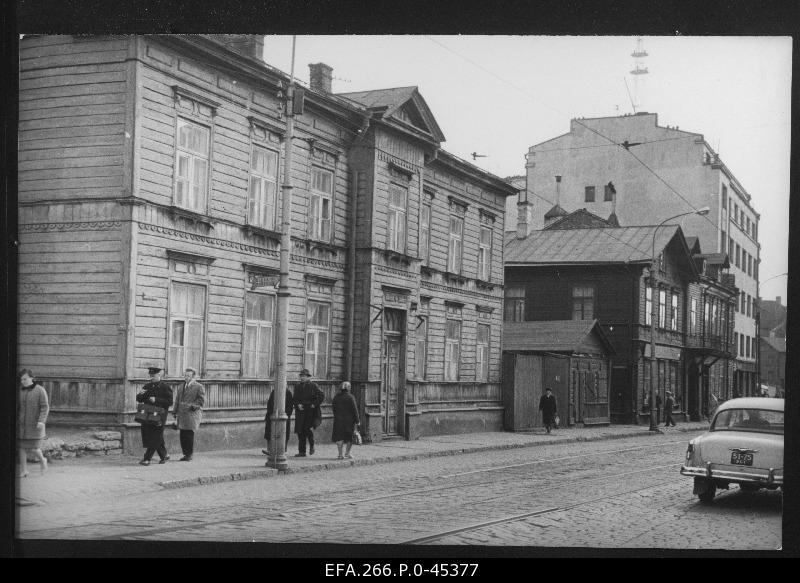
578	121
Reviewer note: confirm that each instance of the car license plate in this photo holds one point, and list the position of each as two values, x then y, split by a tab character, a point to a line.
741	459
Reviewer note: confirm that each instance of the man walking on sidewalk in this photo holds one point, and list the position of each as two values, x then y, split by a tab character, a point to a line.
668	405
308	413
188	411
548	407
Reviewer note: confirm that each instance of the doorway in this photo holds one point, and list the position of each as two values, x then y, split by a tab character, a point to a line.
392	393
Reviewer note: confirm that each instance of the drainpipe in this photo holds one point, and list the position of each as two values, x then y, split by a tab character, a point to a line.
348	372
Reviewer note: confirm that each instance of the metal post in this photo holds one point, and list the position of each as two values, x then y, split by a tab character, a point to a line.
277	453
653	424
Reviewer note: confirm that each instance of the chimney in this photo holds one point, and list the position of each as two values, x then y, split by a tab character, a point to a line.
251	45
523	215
320	77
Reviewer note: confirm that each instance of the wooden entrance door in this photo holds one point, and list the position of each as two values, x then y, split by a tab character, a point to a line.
393	368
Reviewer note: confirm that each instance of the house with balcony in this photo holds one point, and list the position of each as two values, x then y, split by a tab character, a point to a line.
638	283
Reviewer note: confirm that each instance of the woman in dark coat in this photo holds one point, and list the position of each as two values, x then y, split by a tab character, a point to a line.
547	405
288	408
345	419
158	393
32	410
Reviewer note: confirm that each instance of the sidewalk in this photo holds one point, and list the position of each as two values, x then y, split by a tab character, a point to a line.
121	475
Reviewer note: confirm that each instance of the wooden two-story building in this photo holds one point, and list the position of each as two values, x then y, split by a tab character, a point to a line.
580	267
150	173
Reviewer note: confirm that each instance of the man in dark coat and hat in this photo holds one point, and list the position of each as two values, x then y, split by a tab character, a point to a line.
548	407
158	393
308	400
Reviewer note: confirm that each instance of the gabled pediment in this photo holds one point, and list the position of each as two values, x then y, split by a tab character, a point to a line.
403	104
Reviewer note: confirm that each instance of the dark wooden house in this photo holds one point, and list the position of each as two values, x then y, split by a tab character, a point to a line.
607	274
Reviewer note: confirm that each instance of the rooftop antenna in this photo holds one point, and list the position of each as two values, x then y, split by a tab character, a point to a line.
639	69
633	105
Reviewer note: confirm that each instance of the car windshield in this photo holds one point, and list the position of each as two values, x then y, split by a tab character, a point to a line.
758	420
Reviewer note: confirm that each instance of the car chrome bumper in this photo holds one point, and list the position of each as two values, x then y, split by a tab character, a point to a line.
768	477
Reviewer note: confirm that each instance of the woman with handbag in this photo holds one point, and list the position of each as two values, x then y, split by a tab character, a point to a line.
345	419
32	410
159	394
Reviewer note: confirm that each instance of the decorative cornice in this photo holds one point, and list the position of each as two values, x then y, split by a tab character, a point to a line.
268	125
209	240
317	262
398	163
458	291
81	226
179	92
396	272
189	257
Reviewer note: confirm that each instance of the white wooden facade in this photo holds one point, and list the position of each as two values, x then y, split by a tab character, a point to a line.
150	181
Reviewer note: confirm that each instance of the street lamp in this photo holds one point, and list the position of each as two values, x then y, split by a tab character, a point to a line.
702	211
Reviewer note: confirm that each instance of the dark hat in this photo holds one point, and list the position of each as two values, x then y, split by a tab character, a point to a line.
305	373
548	389
153	370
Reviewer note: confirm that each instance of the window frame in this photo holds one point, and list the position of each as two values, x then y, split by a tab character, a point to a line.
673	313
648	305
272	338
172	370
397	220
452	346
589	194
455	241
482	367
316	224
424	247
315	330
191	156
485	263
514	303
662	308
270	224
589	299
421	348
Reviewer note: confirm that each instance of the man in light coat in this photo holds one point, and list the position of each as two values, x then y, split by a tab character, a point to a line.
188	411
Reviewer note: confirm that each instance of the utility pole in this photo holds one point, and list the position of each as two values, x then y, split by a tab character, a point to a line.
277	453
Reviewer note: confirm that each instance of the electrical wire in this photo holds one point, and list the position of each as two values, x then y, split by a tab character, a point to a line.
579	122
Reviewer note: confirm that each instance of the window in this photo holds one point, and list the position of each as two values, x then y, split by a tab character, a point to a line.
693	316
648	306
736	256
724	197
482	353
582	303
397	218
317	338
259	315
608	193
749	304
749	265
741	302
730	247
321	204
741	345
485	254
747	225
747	346
421	352
191	166
589	190
514	308
662	308
755	230
186	327
673	315
707	318
425	234
452	346
456	242
262	198
724	240
736	343
741	219
735	212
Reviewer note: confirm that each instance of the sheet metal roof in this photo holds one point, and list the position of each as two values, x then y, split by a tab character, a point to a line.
583	246
550	335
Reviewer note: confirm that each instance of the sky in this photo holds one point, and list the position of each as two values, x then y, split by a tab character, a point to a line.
499	95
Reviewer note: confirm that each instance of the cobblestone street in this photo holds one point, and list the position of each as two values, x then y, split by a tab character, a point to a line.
624	493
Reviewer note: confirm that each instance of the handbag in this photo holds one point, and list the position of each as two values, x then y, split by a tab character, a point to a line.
149	414
557	421
357	438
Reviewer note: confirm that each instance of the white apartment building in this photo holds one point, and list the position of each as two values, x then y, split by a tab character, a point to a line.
645	173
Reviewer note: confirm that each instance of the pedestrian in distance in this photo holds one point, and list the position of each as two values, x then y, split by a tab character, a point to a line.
658	408
157	393
288	408
308	400
188	411
32	410
549	408
669	403
345	419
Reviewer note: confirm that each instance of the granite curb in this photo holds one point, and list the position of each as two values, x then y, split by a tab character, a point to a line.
271	472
